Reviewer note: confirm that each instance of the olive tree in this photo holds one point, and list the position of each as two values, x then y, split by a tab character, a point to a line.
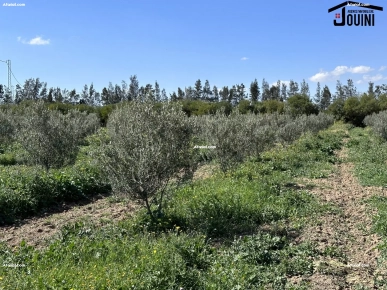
149	147
236	136
52	138
7	127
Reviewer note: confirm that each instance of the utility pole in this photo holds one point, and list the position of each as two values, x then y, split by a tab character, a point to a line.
8	62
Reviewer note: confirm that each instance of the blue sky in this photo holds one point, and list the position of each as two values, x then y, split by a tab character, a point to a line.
175	42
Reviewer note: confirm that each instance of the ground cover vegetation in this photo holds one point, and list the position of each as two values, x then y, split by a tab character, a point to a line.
368	151
207	237
233	230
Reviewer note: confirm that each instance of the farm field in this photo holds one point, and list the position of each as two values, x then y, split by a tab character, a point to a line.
309	213
214	145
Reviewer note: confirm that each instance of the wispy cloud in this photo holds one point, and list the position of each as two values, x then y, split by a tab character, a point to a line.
338	71
34	41
368	78
244	58
382	68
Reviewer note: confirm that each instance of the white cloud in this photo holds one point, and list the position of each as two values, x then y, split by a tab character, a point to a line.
244	58
35	41
361	69
382	68
320	77
338	71
39	41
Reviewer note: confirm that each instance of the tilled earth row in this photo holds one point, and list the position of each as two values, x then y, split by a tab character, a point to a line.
344	234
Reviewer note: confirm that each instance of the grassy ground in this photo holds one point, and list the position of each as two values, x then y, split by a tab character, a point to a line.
369	154
228	231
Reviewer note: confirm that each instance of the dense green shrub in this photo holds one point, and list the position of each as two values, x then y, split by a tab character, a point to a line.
64	108
269	106
195	107
104	112
200	108
382	100
52	138
299	105
336	109
354	109
245	107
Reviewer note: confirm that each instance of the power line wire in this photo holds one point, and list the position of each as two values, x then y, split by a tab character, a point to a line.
11	72
15	77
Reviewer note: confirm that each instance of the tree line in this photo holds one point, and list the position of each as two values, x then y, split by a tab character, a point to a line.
202	99
34	89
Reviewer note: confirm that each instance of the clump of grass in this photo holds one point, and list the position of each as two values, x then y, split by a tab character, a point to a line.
25	191
368	151
7	159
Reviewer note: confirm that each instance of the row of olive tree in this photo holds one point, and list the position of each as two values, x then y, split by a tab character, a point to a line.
236	137
150	145
50	139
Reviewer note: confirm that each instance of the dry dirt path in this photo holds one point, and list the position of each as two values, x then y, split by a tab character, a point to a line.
347	232
38	231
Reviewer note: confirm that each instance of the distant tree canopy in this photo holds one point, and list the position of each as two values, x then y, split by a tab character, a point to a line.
346	103
300	104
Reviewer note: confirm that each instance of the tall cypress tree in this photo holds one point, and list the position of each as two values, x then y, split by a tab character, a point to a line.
254	91
325	98
207	93
133	88
278	96
371	91
180	94
350	89
157	92
265	90
340	94
317	96
198	90
225	93
216	93
305	88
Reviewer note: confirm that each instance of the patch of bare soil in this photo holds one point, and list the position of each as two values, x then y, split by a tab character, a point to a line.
205	171
38	231
350	247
